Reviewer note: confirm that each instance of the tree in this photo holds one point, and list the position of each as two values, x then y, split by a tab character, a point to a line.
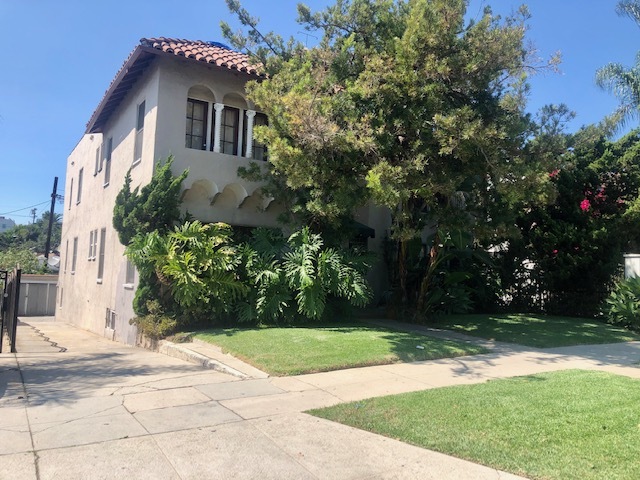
405	103
154	207
569	252
623	82
32	236
23	258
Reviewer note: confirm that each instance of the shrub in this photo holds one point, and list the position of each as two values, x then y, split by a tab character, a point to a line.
155	324
299	278
622	306
195	263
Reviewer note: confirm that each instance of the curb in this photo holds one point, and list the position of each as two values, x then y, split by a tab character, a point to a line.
178	351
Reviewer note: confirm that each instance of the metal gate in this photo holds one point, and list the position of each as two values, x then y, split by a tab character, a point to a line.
9	306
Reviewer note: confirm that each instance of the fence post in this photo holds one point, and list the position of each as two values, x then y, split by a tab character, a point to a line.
17	274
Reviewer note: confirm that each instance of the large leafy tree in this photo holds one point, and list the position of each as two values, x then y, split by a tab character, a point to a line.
622	81
402	102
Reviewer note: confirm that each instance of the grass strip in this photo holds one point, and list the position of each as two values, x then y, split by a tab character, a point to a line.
571	424
297	350
536	330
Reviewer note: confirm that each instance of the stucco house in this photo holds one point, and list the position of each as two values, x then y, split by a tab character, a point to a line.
179	97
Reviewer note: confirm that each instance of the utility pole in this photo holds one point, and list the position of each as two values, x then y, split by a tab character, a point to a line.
33	215
51	213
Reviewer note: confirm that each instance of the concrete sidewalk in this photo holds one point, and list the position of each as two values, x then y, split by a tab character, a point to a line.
75	405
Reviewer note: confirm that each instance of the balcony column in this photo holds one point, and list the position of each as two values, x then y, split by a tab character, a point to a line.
217	128
249	151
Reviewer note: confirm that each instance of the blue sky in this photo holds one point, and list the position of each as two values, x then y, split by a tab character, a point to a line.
59	58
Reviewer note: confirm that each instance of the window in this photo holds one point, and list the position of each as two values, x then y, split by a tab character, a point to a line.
71	194
103	237
196	124
137	149
130	275
66	256
79	186
98	166
229	130
74	258
259	150
107	161
61	293
93	244
110	319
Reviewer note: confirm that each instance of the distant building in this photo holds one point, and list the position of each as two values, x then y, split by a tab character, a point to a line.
6	224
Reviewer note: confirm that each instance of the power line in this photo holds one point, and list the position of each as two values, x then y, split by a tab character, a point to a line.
20	209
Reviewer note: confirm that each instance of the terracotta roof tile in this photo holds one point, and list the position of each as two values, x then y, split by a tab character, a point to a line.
208	52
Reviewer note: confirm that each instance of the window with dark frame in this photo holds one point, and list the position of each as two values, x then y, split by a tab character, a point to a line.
229	130
259	150
196	132
137	149
130	274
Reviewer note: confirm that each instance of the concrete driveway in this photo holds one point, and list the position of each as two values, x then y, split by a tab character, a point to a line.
74	405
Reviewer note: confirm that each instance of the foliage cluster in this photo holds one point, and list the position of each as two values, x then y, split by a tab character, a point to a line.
622	306
205	278
404	103
196	273
32	236
26	259
569	252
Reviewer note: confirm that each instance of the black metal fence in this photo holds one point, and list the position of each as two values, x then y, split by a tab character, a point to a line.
9	307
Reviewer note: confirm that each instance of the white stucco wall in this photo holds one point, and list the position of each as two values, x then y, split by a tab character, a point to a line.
82	299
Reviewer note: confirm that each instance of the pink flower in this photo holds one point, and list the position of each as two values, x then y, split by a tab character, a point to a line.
555	252
554	173
585	205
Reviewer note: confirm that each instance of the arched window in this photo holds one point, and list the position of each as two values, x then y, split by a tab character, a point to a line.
197	132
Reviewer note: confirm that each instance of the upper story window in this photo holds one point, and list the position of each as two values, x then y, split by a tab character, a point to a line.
222	127
259	150
70	194
80	174
196	134
137	149
107	161
74	258
98	166
230	123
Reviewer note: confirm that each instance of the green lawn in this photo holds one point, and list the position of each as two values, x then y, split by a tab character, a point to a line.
296	350
564	425
536	330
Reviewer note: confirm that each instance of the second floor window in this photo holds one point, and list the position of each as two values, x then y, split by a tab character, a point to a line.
107	161
229	130
196	132
259	150
80	174
137	149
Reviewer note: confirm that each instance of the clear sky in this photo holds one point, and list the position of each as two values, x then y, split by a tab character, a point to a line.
59	57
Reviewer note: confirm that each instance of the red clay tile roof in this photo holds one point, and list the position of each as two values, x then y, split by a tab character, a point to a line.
142	56
209	52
